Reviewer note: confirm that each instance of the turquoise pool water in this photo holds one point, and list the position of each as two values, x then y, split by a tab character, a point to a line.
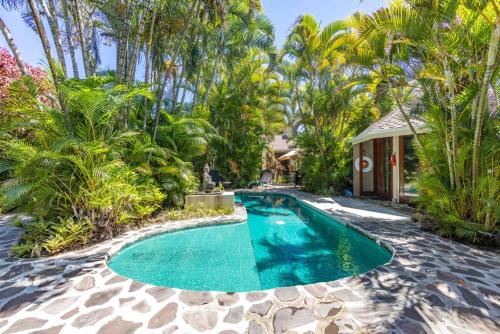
283	243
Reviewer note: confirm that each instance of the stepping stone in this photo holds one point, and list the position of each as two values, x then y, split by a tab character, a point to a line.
134	286
70	314
15	271
59	305
9	292
255	296
20	302
234	315
195	298
50	330
255	328
102	297
88	282
326	310
291	317
25	324
160	294
118	325
201	320
164	316
261	309
316	290
287	294
142	307
227	299
91	318
116	279
332	328
470	298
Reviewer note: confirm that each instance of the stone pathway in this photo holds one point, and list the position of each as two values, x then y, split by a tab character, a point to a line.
431	286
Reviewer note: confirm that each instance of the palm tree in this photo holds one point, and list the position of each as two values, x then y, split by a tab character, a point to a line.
68	30
51	15
491	64
13	47
43	38
78	18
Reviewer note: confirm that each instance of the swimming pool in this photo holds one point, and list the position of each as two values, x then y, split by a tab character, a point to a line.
283	243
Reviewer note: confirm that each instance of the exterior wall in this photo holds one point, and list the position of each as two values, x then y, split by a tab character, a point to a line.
366	182
368	177
355	173
395	169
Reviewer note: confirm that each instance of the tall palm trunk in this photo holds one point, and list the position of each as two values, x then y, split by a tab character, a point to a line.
83	39
177	87
56	33
196	88
43	38
67	28
122	44
141	23
46	47
13	47
147	72
193	11
212	81
450	82
483	97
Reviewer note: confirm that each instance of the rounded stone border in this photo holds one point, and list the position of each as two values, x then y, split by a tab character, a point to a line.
240	215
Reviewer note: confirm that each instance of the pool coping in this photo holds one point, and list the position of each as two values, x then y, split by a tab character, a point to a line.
239	216
430	285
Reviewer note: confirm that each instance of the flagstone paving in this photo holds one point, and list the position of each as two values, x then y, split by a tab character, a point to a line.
431	285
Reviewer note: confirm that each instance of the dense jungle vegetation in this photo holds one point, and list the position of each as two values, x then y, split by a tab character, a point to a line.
201	81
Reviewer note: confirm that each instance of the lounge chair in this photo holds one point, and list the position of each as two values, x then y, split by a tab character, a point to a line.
266	177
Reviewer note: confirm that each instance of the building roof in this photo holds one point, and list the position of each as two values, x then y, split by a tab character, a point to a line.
392	124
282	144
287	156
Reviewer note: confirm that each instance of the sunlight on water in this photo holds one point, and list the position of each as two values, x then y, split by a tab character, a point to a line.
284	243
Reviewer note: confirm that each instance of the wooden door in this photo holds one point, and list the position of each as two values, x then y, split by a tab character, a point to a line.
383	168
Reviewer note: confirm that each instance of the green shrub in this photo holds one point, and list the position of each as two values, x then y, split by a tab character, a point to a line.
48	238
69	170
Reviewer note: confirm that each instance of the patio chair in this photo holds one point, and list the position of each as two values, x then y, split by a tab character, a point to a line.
266	177
217	178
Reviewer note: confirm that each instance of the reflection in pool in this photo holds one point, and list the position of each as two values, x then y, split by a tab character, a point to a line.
283	243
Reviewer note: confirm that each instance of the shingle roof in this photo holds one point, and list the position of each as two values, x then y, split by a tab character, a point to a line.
392	124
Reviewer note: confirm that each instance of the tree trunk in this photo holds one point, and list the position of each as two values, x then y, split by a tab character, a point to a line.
67	27
450	83
483	98
211	83
13	47
196	87
122	44
141	22
83	40
43	38
46	47
147	71
56	32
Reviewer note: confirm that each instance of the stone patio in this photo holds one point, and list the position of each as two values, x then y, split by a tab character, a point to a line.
432	285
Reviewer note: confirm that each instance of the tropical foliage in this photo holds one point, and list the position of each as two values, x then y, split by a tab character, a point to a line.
89	153
439	56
